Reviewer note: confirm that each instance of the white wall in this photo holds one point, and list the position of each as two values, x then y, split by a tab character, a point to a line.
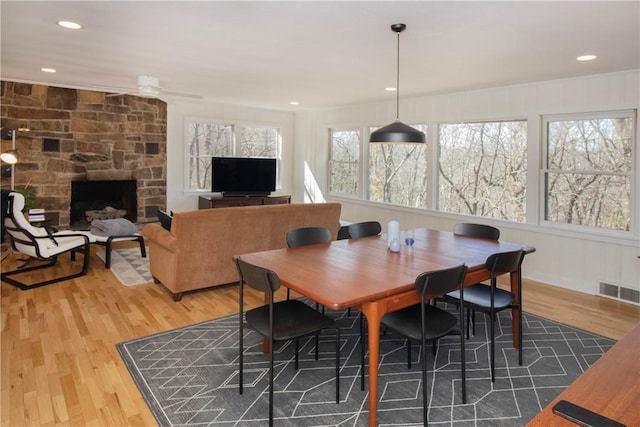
564	257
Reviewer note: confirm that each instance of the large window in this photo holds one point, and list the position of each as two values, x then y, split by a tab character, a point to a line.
344	162
588	170
398	173
482	169
208	140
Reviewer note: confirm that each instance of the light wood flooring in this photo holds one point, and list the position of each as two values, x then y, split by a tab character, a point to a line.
60	365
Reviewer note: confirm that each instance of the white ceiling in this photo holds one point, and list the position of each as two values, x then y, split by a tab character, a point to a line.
322	54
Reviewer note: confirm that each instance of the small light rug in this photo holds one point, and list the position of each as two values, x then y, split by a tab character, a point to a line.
189	376
128	266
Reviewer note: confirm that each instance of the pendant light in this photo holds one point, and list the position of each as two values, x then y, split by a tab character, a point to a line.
398	132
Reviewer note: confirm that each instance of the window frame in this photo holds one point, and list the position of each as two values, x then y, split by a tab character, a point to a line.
361	166
526	165
544	171
236	143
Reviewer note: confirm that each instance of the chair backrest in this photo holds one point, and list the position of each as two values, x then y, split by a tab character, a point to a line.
480	231
259	278
504	262
343	233
22	233
364	229
308	236
441	282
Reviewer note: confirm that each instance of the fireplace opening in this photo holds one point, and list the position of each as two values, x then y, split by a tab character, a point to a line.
90	198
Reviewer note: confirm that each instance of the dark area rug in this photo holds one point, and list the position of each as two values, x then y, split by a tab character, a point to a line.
188	376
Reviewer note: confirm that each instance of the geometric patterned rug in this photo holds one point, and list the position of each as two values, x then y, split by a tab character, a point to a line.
188	376
128	266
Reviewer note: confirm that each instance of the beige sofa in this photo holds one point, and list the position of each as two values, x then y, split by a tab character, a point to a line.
198	251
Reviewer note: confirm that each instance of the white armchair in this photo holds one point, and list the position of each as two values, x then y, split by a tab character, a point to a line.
39	243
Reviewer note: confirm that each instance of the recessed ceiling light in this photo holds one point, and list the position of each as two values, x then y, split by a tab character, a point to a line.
294	103
70	25
48	70
390	89
586	57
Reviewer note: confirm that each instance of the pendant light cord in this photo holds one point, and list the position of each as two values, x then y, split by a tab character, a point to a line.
398	80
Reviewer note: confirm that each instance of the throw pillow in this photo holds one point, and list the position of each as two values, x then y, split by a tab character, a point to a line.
165	220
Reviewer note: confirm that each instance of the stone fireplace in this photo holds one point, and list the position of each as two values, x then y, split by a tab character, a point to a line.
85	136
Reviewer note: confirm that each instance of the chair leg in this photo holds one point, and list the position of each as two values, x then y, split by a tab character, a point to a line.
337	365
295	364
107	254
362	350
6	276
520	336
240	354
492	349
143	251
271	378
425	403
408	353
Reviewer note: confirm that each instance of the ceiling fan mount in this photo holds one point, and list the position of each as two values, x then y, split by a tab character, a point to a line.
149	87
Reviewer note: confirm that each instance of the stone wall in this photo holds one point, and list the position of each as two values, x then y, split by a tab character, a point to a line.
85	135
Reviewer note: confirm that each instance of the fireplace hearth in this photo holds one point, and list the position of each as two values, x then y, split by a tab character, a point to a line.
110	197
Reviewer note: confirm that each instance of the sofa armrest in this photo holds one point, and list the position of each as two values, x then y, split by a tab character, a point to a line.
161	237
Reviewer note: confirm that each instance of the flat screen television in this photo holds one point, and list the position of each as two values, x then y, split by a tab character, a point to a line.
243	176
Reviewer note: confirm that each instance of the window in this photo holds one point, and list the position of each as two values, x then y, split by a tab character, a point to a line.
344	162
259	142
482	169
588	170
207	140
398	173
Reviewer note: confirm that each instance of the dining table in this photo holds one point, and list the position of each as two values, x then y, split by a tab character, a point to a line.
364	274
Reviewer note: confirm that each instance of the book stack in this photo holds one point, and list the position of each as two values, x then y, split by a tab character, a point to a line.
36	215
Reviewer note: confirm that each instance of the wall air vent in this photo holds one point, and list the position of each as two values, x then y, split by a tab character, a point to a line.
619	292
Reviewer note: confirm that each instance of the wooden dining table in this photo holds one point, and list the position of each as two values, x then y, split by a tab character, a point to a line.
363	274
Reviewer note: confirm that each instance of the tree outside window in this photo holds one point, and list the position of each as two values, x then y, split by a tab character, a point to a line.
398	173
482	169
208	140
259	142
588	170
344	162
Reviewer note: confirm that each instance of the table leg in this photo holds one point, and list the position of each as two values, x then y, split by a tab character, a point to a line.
373	313
516	313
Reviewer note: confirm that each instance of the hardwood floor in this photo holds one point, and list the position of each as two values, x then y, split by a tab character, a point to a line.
60	365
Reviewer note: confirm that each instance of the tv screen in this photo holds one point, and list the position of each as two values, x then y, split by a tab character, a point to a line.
243	176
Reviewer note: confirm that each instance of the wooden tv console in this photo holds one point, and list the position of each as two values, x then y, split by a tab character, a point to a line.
209	202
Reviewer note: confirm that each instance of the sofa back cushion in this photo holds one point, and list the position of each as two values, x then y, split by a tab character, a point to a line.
207	240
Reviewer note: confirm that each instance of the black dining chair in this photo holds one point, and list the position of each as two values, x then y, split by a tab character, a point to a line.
427	323
279	321
491	300
364	229
307	236
478	231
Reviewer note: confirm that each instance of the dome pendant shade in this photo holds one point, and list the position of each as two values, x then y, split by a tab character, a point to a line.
398	132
